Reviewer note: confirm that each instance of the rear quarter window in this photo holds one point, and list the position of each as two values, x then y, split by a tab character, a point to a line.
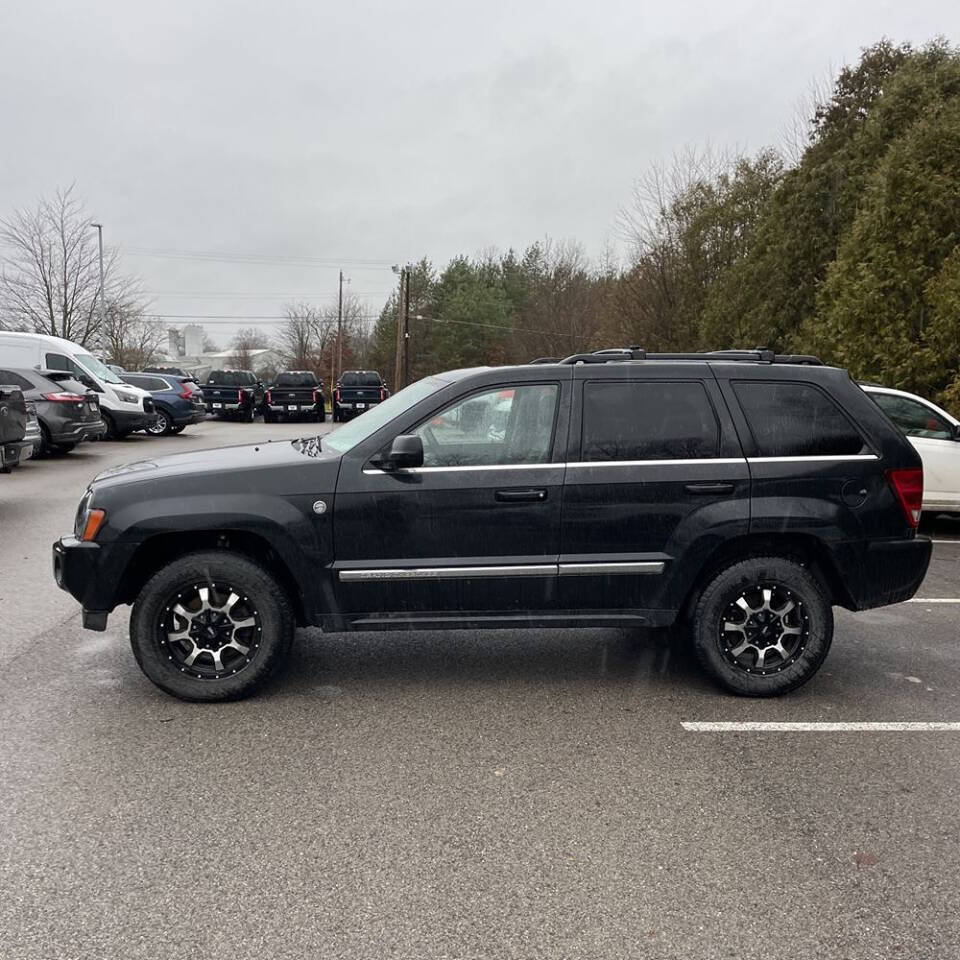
650	420
796	420
10	378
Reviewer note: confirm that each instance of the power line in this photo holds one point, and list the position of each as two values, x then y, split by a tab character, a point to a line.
212	295
337	263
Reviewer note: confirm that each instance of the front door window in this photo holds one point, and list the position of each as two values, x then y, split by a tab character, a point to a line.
504	426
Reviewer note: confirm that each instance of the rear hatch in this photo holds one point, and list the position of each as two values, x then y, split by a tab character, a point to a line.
13	414
86	408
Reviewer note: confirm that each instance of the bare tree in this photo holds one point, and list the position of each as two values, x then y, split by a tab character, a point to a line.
131	339
301	339
50	273
244	343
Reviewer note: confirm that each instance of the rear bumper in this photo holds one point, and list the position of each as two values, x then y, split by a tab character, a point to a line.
294	408
79	431
886	571
17	451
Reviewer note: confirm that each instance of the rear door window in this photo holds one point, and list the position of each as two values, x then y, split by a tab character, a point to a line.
915	419
647	420
9	377
796	420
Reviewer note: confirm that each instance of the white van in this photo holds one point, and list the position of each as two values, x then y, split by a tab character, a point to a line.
124	408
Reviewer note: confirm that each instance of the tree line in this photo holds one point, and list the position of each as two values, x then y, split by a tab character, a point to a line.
846	245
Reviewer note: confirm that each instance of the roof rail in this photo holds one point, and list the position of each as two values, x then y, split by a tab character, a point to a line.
545	360
759	355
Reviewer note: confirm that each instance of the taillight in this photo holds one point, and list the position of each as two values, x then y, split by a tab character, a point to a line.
186	393
908	486
382	392
315	400
239	396
266	397
63	397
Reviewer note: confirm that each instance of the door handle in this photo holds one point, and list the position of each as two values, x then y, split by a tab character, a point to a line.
517	496
706	489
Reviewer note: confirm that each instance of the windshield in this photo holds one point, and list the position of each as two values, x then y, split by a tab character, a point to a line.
295	380
360	378
93	366
352	432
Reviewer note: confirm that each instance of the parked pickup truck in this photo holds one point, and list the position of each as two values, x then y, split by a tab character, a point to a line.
356	392
742	495
233	393
292	395
14	448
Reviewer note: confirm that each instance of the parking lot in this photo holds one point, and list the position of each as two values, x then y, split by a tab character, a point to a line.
465	794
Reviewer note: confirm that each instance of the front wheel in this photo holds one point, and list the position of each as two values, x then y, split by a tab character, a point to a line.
210	626
161	426
763	626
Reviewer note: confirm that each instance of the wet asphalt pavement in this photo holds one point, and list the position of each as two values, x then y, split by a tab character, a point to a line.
466	794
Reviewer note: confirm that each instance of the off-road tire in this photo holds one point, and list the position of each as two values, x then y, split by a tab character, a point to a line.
217	567
813	611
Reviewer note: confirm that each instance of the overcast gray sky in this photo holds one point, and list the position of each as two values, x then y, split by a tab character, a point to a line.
387	131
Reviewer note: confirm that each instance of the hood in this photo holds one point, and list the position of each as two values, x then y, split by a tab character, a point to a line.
288	457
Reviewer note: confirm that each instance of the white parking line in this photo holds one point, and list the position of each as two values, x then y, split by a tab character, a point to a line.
933	600
771	726
946	541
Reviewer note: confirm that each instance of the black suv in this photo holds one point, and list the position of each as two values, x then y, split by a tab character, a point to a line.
743	493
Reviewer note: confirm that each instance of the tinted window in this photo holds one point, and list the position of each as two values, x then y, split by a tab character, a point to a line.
915	419
795	420
231	378
501	426
295	380
9	377
360	378
146	383
647	421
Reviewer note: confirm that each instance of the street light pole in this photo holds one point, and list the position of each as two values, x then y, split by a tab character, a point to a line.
103	304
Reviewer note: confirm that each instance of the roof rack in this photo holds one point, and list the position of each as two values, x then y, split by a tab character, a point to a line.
759	355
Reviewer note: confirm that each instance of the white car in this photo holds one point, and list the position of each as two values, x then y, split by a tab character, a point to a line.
936	437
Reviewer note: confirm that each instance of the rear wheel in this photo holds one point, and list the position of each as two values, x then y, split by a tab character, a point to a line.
763	626
210	626
63	447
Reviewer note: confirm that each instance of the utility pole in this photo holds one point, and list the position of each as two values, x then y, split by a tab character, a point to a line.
103	304
340	328
406	332
401	343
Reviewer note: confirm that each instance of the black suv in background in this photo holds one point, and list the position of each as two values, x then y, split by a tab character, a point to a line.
233	393
294	394
741	493
356	392
69	412
14	448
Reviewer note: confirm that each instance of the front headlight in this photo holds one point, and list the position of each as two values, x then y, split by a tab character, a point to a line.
125	397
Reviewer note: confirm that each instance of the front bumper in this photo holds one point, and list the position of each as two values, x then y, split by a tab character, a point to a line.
92	575
128	421
886	571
